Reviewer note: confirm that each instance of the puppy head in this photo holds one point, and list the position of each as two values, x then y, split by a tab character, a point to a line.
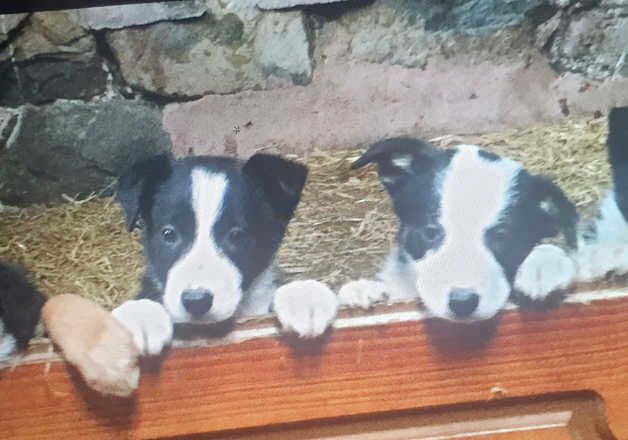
211	226
468	218
20	304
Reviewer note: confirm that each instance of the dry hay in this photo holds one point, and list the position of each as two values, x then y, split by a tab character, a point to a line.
80	247
342	228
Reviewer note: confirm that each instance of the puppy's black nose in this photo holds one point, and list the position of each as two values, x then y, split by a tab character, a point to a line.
197	301
463	302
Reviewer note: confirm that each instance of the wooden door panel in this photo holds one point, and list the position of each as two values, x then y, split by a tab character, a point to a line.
369	367
545	434
578	417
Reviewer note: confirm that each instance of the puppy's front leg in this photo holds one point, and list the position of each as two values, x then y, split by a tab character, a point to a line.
362	293
396	281
306	308
149	324
94	342
546	269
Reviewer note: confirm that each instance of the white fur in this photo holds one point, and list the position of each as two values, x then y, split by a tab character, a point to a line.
204	266
149	324
546	269
547	206
399	277
607	251
7	342
362	293
611	228
595	261
259	295
396	281
474	193
306	308
403	161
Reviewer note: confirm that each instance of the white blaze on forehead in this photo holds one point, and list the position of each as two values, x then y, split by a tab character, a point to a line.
208	192
204	266
474	192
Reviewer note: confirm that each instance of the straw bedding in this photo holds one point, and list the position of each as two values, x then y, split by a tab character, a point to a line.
342	229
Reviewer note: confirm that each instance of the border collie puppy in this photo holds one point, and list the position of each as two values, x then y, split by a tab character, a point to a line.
211	227
603	242
472	227
20	307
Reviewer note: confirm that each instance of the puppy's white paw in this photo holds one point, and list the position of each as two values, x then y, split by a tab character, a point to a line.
362	293
547	269
305	307
149	324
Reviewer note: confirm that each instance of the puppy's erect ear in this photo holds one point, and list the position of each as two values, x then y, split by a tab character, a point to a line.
278	180
560	214
618	155
133	185
396	159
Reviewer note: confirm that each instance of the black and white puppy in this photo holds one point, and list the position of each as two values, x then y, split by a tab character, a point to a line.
211	227
472	226
20	309
603	242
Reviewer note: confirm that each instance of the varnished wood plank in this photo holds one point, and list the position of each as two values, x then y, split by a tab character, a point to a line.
573	416
523	426
553	434
359	371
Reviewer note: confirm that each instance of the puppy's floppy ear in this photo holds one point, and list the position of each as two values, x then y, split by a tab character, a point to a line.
135	182
618	155
560	214
396	159
278	180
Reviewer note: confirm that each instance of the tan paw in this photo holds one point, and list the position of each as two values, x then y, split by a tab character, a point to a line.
94	342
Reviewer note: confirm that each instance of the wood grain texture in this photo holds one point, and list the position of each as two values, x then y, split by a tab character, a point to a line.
569	417
370	370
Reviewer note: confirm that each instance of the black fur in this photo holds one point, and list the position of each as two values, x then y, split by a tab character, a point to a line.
618	155
136	185
413	190
492	157
20	304
262	195
526	224
416	201
383	152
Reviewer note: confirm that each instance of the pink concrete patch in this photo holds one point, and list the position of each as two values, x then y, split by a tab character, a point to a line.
349	104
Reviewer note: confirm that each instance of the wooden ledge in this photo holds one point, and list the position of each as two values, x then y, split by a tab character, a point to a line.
392	361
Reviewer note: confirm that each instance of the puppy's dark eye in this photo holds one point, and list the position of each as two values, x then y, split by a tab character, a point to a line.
416	240
169	235
238	238
431	233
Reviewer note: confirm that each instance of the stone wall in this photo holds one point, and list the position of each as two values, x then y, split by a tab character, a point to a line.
84	93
